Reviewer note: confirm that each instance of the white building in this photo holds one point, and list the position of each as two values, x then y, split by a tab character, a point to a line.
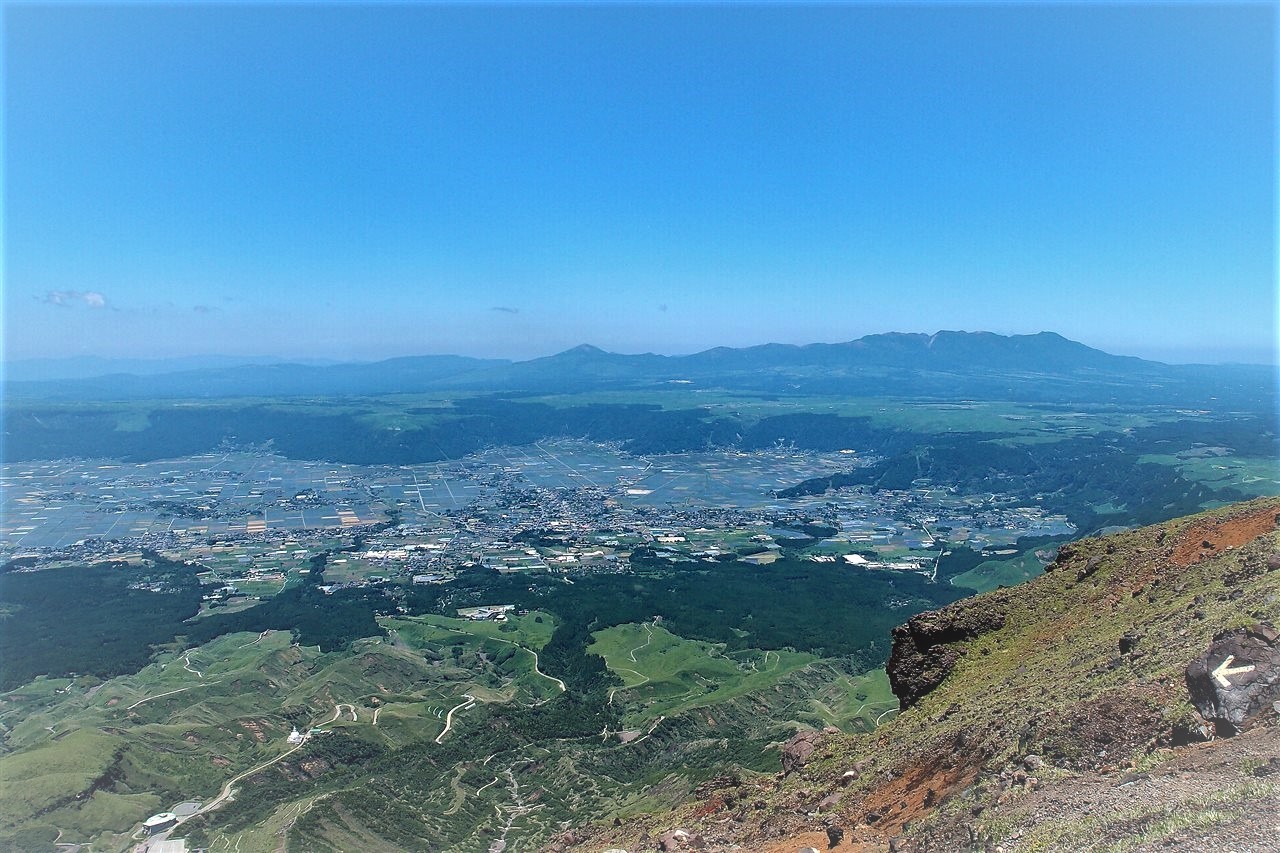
159	822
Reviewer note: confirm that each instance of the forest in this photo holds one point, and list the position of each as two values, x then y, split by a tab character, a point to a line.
100	620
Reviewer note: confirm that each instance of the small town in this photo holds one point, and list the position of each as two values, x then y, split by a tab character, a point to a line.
251	521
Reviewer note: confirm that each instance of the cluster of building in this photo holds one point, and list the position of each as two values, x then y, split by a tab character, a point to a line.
511	523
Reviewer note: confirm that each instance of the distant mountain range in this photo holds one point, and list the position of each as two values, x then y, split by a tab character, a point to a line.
89	366
948	365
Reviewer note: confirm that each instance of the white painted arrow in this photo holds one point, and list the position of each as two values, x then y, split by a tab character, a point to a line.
1225	668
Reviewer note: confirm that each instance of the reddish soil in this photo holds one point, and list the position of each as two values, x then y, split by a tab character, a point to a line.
1191	546
914	794
255	729
710	807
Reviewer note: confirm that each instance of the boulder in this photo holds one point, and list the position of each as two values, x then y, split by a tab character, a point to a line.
673	840
1238	679
797	750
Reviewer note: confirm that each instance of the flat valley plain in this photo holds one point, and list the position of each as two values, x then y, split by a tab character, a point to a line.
493	644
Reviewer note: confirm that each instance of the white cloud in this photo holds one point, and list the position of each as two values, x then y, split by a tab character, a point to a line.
71	298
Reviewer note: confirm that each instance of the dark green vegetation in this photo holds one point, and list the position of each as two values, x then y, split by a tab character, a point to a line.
316	618
330	621
96	620
105	619
827	609
468	425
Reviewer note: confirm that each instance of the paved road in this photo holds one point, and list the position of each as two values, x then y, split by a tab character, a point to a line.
448	720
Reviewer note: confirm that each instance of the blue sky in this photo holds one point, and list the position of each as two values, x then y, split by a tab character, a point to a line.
372	180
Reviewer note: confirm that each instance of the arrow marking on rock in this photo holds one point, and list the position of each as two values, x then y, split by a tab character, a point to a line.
1225	668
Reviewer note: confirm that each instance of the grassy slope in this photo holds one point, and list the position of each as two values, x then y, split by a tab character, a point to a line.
1050	682
1251	475
665	674
991	574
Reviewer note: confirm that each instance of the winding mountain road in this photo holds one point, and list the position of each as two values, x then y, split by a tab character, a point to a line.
448	720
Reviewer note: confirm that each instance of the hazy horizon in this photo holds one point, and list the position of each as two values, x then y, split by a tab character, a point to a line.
359	182
321	359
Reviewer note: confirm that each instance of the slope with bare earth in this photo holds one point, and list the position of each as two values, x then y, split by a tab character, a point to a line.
1052	716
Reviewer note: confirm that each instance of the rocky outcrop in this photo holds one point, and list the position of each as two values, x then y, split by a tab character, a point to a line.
1238	679
923	652
797	750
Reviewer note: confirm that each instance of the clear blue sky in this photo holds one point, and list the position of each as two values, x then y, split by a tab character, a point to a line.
370	180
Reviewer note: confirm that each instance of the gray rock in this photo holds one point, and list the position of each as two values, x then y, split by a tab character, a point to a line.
1237	679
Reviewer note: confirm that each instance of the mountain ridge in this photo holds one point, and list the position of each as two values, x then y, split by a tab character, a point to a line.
947	364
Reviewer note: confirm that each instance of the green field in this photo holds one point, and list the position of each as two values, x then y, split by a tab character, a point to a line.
857	703
1017	421
1254	477
664	674
990	574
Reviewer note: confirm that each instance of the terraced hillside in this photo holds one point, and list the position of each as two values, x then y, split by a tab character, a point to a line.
90	763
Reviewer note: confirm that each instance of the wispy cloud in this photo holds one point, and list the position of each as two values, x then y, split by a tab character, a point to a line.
73	298
505	310
205	309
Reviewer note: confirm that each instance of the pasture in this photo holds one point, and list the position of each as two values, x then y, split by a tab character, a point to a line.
664	674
